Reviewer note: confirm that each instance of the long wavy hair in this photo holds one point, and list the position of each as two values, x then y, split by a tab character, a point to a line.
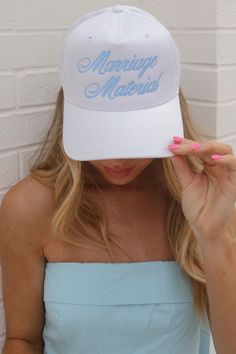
76	217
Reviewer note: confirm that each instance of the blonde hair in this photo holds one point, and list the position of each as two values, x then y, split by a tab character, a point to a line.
68	178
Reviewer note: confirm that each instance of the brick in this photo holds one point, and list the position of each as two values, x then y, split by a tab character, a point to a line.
226	84
37	88
226	119
23	128
19	51
199	84
7	14
7	92
196	14
226	13
9	169
196	47
226	47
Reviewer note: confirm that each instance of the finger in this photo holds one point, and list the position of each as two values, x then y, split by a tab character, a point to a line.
207	146
203	150
228	161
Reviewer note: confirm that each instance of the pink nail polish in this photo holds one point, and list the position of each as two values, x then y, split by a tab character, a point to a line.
216	157
195	146
177	139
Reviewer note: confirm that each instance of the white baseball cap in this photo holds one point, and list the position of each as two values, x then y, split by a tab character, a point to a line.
120	73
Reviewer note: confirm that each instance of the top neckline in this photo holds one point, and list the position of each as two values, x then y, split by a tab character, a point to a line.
117	263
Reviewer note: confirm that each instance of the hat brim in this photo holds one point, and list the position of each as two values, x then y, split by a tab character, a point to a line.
145	133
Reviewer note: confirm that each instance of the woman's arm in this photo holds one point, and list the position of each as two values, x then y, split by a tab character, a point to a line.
20	346
22	266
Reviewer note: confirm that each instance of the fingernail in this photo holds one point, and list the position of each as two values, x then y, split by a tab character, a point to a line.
173	146
216	157
177	139
195	146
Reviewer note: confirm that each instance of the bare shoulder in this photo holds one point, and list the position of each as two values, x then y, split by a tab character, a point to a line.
29	203
29	197
30	190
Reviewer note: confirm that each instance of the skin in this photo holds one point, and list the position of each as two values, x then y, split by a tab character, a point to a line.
134	205
146	174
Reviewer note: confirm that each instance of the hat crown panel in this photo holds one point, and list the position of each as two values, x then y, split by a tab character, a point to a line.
120	61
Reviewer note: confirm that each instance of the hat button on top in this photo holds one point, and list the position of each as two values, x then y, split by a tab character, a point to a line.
117	8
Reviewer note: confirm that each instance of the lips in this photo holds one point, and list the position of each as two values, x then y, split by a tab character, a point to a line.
118	173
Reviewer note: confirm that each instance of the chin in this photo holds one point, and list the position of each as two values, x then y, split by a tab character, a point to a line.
118	181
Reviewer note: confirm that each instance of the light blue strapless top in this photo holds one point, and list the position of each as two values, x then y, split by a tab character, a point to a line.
121	308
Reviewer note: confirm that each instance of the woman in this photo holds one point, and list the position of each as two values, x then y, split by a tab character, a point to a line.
108	247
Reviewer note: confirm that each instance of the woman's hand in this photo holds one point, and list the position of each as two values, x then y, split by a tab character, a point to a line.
208	198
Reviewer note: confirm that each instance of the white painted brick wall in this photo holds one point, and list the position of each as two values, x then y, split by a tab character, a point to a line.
226	63
31	35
